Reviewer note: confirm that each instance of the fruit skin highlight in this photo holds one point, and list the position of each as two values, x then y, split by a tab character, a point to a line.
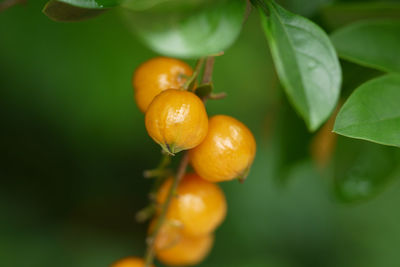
187	251
156	75
226	153
129	262
177	120
199	206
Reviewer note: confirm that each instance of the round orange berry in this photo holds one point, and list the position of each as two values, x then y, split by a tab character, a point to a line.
129	262
200	206
226	153
177	120
187	251
156	75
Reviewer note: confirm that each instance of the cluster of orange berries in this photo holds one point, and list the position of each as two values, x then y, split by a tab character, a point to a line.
220	149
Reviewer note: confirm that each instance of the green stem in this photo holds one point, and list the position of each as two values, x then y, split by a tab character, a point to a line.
150	253
189	85
161	168
160	173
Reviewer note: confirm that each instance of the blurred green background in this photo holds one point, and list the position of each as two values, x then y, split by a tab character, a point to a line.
73	147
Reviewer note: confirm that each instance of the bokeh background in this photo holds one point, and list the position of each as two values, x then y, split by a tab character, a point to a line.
73	147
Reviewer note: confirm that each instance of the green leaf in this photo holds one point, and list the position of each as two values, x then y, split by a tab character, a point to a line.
340	14
306	62
373	44
76	10
204	31
372	112
363	169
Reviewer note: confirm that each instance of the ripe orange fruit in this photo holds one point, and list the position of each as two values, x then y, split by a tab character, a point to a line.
200	206
129	262
156	75
177	120
187	251
226	153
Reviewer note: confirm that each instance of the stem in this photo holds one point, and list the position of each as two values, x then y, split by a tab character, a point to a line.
9	3
217	96
192	79
208	70
160	173
149	256
164	162
146	213
199	64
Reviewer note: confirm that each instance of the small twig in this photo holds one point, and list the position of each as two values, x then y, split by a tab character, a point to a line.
208	70
161	168
221	53
145	213
160	174
189	85
9	3
149	256
217	96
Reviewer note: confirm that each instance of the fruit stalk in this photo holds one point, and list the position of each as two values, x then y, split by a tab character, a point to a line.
149	256
208	70
190	83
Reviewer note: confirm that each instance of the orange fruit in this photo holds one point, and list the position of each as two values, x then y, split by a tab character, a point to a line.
187	251
226	153
177	120
200	206
129	262
156	75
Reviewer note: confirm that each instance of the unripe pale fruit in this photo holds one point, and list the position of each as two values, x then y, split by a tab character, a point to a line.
177	120
226	153
156	75
129	262
200	206
187	251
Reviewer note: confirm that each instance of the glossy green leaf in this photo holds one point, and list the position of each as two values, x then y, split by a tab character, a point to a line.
208	30
363	169
340	14
372	112
69	10
305	60
370	43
